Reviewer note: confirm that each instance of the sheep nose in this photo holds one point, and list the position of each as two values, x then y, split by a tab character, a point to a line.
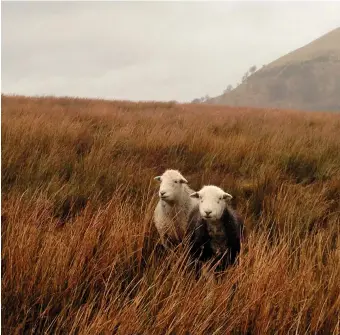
208	212
162	193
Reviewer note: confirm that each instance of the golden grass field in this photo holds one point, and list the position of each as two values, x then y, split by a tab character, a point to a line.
79	251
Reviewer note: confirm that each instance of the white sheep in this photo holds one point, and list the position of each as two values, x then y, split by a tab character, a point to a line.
174	207
217	228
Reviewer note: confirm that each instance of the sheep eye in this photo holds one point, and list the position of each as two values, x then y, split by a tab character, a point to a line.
176	181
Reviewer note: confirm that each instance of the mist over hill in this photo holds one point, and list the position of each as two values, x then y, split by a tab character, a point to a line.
307	79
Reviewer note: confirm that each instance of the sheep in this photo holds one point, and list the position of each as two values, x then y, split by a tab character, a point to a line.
216	229
173	208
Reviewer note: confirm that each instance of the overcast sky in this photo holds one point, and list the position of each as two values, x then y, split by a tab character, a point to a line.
148	50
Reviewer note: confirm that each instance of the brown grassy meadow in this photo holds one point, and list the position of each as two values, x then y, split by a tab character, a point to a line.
79	251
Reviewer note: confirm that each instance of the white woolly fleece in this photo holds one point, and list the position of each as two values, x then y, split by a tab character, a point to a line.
174	206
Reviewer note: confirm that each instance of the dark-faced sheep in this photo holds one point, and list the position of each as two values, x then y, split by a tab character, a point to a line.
216	229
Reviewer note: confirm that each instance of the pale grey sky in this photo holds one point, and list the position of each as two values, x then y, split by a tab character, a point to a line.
148	50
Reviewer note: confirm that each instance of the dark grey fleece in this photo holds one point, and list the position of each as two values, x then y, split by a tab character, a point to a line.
220	240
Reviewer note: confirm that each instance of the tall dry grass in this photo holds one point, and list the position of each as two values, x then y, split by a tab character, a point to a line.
80	254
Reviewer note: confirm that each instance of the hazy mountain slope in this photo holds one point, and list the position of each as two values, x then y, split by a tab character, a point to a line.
307	78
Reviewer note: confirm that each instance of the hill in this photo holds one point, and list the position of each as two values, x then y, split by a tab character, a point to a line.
305	79
79	251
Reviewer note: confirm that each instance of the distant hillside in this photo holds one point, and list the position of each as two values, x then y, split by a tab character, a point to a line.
307	78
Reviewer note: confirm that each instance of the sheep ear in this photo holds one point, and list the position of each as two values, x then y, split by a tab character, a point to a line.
194	195
158	178
183	181
227	196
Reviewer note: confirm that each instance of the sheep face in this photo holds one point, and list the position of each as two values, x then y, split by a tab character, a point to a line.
172	185
212	202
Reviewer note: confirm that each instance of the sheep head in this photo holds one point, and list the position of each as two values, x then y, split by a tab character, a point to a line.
212	202
171	185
